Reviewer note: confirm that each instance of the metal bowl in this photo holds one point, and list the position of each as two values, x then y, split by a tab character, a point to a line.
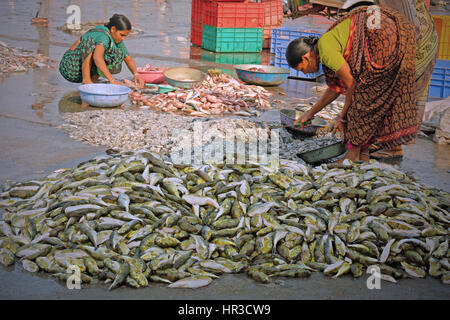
104	94
288	117
272	76
177	77
323	154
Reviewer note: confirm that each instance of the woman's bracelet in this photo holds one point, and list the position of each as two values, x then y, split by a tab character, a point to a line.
342	120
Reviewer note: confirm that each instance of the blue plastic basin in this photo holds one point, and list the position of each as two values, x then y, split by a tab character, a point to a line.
103	94
272	76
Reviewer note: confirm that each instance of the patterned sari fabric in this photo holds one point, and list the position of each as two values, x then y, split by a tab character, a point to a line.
71	62
382	61
427	47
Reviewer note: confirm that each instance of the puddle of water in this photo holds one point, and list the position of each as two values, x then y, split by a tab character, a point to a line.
71	102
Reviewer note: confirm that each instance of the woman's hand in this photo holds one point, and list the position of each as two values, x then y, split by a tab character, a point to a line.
340	126
301	122
87	81
139	81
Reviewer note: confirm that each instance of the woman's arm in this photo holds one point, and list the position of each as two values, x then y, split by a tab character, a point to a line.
99	60
328	97
75	45
345	74
132	66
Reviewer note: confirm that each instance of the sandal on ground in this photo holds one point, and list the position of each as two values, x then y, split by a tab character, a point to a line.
387	155
364	156
374	148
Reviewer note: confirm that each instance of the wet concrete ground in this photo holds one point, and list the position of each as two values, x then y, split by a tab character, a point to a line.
31	146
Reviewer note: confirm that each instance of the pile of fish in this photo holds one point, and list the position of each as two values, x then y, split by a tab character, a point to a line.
216	95
127	130
18	60
256	69
329	113
136	218
149	67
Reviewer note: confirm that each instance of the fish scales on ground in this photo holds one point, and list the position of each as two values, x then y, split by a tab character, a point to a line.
185	226
20	60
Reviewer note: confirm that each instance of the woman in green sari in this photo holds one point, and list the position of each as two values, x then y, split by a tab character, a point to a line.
100	52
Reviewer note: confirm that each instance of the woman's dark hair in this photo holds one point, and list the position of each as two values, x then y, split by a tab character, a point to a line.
298	48
119	21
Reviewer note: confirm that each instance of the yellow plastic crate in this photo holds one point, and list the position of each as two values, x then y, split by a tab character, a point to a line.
443	29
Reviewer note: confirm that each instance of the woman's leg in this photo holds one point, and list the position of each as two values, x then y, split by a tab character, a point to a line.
353	154
365	156
86	69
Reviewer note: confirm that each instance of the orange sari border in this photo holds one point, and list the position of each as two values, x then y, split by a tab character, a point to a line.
398	134
340	86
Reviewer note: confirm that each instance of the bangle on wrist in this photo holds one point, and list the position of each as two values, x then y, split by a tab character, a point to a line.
342	120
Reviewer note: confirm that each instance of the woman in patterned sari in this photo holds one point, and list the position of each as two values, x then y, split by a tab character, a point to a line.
427	47
374	66
100	52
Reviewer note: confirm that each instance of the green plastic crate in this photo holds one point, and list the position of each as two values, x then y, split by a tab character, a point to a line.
232	39
232	58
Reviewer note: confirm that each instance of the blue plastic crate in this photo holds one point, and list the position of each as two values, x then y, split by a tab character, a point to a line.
440	80
442	63
288	34
440	85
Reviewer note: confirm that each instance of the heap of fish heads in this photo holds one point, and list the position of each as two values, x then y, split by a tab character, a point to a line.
216	95
17	59
135	218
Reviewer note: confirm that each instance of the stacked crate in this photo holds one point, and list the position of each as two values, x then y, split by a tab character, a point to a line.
440	80
232	26
227	26
196	22
273	18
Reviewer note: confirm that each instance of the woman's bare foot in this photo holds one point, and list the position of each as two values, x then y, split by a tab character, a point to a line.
353	154
365	155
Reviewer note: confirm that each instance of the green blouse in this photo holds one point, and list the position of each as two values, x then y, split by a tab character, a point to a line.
332	45
105	39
